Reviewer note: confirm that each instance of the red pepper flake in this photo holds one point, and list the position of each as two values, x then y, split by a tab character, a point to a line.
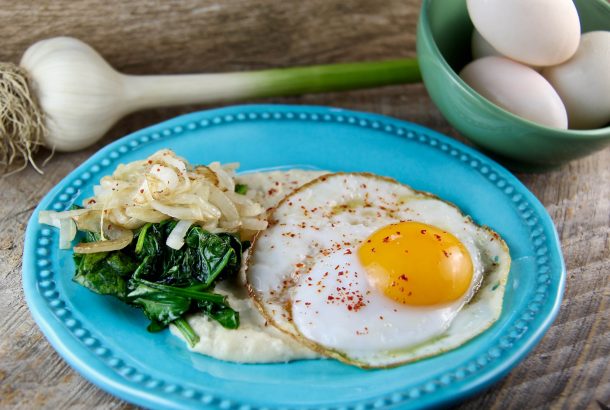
386	239
423	231
437	236
403	277
331	297
299	265
271	191
381	317
373	250
307	303
91	201
142	190
347	252
445	253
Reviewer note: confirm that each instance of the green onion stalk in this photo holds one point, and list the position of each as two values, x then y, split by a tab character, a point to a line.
65	96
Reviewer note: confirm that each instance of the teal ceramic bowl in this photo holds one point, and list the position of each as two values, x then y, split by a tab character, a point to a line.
443	48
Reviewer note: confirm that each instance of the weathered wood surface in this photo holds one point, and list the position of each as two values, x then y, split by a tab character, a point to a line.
569	369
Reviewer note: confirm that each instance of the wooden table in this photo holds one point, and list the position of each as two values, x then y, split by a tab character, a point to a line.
569	368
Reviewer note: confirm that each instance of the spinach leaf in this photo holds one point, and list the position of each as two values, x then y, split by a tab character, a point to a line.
211	257
192	293
103	273
187	331
223	314
121	263
160	307
241	189
166	283
202	259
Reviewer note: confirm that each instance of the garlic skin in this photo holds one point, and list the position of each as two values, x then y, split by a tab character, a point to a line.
81	95
583	82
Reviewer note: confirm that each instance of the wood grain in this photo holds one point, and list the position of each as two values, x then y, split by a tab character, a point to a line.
567	370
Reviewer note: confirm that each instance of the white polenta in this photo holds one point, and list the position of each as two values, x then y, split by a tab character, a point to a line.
254	341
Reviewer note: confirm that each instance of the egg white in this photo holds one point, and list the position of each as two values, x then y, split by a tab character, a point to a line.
318	229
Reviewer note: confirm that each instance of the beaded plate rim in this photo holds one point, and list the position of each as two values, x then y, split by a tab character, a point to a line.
125	381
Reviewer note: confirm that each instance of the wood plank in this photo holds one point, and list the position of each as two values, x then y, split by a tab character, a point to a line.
569	368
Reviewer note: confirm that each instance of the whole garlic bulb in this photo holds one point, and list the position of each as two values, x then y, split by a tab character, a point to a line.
80	93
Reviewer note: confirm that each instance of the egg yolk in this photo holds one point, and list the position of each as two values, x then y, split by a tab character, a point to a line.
417	264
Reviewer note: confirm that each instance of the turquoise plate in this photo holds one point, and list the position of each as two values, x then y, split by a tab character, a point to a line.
107	341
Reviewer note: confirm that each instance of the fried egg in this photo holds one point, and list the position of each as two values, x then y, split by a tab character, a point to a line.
369	271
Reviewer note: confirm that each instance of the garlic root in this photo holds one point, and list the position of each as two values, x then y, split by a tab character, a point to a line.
22	124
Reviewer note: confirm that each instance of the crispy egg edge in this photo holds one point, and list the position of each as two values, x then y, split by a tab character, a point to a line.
331	353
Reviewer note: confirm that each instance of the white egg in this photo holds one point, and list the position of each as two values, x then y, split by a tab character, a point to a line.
320	271
516	88
536	32
481	47
583	82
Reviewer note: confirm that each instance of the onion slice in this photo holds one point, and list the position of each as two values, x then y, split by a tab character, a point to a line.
254	224
67	232
105	246
53	218
175	240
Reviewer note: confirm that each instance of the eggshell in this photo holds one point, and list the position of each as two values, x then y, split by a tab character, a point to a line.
518	89
535	32
583	82
481	47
